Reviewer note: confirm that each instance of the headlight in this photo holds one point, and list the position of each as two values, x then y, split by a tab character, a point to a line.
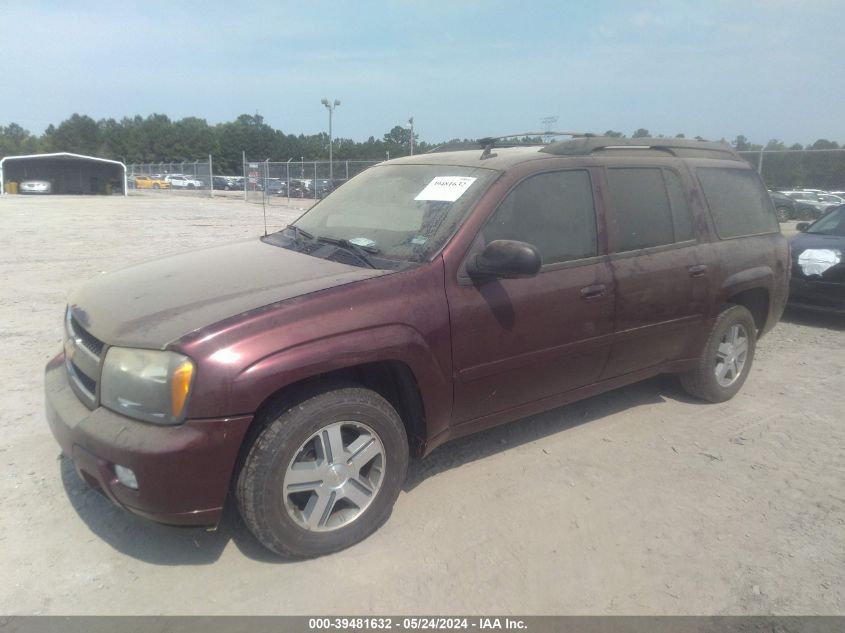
146	384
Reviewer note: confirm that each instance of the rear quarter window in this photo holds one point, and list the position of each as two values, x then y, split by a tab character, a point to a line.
738	202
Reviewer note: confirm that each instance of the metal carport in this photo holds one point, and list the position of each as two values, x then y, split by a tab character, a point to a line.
69	173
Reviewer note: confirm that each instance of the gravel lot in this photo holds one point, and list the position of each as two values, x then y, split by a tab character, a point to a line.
640	501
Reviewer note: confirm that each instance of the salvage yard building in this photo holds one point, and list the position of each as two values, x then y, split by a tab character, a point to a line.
68	173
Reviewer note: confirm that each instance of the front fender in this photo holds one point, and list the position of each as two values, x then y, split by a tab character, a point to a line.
255	383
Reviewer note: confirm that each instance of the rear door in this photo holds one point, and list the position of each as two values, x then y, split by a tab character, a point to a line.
516	341
658	266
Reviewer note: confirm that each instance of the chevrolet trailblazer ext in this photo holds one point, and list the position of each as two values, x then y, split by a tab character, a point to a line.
428	298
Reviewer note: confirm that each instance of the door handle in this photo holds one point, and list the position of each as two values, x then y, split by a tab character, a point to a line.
591	293
697	271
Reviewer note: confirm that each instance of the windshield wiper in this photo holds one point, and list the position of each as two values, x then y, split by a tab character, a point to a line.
357	249
298	231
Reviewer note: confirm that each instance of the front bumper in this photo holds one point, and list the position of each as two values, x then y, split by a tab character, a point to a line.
183	471
822	296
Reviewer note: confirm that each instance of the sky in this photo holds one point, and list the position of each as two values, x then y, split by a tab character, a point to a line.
766	69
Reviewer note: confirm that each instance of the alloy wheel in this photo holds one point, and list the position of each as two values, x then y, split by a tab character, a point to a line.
731	355
334	476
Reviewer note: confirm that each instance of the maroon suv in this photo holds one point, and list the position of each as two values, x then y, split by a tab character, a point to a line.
428	298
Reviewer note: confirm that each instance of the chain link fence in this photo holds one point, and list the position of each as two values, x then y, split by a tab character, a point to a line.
192	177
273	182
276	182
788	169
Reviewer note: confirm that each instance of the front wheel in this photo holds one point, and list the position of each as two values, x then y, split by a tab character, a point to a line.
726	358
324	472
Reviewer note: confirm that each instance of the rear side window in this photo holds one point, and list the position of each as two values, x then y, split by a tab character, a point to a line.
738	202
552	211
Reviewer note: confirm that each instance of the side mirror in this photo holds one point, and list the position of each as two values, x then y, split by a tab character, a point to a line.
505	258
802	226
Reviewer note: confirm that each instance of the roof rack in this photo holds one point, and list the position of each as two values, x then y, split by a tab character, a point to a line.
683	148
487	143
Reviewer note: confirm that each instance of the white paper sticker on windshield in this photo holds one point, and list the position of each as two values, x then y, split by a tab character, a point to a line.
445	188
363	241
815	261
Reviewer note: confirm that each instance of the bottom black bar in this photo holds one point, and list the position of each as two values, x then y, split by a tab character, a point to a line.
516	624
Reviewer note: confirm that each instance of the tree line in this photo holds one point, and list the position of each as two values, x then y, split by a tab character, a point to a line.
157	138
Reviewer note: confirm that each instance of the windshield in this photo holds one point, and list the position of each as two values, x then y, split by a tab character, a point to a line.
831	224
398	213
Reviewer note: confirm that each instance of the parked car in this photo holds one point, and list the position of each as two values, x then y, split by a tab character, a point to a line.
225	183
818	267
428	298
812	198
150	182
790	209
299	188
276	186
326	186
36	186
831	200
179	181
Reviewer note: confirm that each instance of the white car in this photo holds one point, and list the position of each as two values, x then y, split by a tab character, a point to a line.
36	186
178	181
821	201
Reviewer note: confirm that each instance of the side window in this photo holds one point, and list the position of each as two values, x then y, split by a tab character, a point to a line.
738	202
641	208
552	211
680	207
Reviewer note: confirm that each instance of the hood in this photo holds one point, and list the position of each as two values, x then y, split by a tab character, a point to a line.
154	303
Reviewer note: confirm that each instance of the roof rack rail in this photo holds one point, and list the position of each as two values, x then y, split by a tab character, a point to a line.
501	141
683	148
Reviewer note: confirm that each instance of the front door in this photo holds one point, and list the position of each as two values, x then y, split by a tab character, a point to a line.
516	341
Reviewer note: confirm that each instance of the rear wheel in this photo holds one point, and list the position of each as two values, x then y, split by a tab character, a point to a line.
726	358
324	472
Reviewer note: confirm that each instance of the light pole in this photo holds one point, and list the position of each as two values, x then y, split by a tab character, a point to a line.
330	106
411	121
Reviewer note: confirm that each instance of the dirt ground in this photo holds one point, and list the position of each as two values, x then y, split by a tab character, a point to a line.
640	501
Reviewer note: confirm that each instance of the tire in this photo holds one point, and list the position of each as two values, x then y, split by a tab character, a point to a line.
156	185
724	344
783	214
293	492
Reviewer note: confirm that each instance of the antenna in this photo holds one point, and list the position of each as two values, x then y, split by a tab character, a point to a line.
264	192
548	122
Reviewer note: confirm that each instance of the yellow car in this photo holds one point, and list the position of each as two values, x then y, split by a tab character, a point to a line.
148	182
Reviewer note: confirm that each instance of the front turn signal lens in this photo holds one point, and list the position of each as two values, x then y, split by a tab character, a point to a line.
180	386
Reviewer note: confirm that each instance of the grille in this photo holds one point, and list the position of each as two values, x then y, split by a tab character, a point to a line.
89	383
94	344
83	352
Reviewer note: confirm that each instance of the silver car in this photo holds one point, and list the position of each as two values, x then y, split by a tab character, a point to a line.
36	186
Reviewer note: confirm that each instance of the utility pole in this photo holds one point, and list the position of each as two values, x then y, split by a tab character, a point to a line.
330	106
548	121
